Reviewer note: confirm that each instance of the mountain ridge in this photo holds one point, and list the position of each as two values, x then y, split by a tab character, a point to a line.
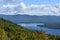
31	19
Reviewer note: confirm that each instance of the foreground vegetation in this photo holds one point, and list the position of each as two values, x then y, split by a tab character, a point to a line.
12	31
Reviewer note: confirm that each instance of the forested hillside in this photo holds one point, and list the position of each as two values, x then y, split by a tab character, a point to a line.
12	31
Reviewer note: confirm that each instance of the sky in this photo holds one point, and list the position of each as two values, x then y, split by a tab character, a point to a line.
38	2
30	7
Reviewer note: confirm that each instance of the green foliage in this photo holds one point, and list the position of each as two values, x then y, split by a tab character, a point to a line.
12	31
3	35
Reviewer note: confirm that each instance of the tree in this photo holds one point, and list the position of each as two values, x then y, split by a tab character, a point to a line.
42	35
3	35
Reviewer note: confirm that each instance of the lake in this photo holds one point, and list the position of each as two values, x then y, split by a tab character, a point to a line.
35	27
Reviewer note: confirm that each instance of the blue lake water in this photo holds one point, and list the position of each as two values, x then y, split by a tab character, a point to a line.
47	30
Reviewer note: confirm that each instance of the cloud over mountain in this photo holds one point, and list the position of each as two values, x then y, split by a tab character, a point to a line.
30	10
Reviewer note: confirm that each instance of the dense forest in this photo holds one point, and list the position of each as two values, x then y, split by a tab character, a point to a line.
12	31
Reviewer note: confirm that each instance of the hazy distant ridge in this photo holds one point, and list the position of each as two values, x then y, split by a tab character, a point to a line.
31	19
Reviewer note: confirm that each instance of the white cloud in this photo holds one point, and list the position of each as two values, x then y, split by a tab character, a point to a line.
7	9
54	10
30	10
46	8
23	5
58	5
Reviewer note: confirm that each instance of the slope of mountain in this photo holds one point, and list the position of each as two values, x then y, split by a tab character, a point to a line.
31	19
12	31
53	25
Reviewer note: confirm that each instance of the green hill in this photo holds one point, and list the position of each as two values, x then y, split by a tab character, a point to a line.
12	31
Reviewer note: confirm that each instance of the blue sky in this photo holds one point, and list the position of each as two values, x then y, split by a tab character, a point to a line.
30	7
29	2
52	2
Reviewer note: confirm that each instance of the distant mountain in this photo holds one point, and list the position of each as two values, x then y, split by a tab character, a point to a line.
31	19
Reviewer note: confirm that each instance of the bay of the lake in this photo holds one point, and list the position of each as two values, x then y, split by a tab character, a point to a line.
33	26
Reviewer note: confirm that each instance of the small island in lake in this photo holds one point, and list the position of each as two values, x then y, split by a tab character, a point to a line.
40	25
